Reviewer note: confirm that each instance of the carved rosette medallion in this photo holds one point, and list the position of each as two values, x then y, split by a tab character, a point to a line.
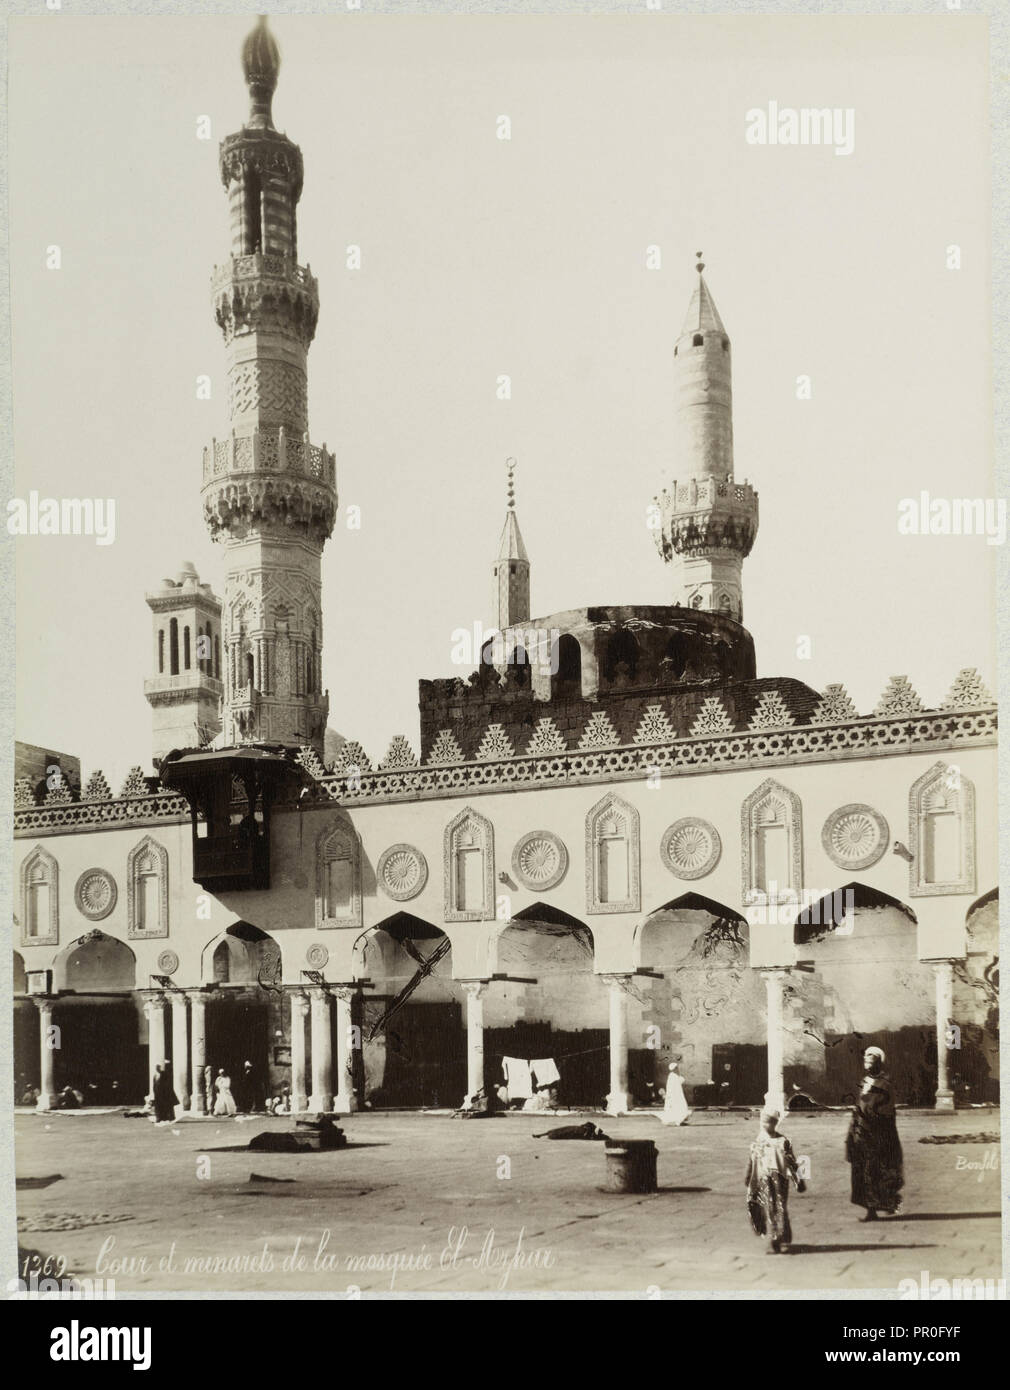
691	847
168	963
316	956
539	860
402	871
95	894
855	836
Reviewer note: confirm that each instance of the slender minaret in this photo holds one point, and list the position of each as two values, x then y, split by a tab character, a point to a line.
708	521
269	495
512	567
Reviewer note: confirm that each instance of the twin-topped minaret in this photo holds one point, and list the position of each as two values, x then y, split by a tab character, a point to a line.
708	520
269	495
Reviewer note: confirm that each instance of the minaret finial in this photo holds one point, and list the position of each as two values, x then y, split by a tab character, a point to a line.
510	465
261	62
701	264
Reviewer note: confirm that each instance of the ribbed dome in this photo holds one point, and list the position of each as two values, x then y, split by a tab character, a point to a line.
261	58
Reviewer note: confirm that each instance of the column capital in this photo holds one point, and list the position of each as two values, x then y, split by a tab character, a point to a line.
43	1002
299	999
474	989
621	978
777	977
154	1000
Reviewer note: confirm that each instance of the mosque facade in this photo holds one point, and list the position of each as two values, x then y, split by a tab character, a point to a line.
608	851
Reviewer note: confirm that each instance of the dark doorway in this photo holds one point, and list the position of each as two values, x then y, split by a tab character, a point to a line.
419	1056
99	1044
582	1057
740	1073
238	1030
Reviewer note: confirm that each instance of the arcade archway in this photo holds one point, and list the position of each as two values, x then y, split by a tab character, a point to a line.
861	984
708	1010
413	1041
548	1004
101	1052
246	1018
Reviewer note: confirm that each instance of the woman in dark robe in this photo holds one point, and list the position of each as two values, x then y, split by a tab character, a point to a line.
165	1099
872	1145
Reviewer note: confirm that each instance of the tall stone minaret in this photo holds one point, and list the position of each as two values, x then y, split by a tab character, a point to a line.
512	567
269	496
708	520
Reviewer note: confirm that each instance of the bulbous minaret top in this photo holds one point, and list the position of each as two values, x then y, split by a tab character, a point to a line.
708	520
261	63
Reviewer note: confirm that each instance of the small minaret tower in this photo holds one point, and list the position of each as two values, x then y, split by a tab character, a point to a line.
708	519
185	691
269	495
512	567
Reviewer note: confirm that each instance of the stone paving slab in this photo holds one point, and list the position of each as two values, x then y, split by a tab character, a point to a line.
422	1202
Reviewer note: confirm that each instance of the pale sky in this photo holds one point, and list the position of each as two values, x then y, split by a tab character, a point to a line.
525	257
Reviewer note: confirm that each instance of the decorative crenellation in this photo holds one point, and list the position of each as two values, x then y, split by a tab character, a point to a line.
654	726
398	754
96	788
445	750
24	793
546	738
968	692
310	760
495	745
599	733
135	784
352	759
834	707
899	698
771	713
713	719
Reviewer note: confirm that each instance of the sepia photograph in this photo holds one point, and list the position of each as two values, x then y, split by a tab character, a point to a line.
503	539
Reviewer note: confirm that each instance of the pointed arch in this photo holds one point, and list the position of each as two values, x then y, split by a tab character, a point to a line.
613	857
40	899
94	964
771	832
941	827
243	954
468	868
147	890
338	876
835	911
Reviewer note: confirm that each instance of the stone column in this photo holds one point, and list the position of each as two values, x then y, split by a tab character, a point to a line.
474	1036
154	1008
617	1101
198	1035
322	1051
47	1079
180	1048
299	1011
775	985
944	972
345	1101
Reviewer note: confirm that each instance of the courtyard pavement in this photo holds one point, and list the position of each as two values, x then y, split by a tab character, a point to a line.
422	1202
